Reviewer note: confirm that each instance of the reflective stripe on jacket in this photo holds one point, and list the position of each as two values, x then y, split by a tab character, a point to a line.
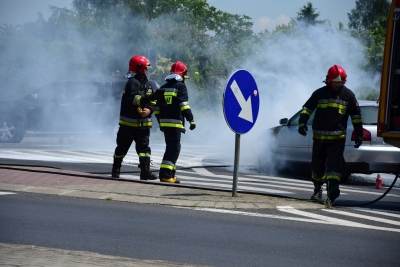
173	105
332	110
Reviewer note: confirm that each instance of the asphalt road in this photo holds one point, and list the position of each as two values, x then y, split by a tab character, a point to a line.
188	236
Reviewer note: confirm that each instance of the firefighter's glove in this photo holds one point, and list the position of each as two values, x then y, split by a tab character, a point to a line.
143	112
358	142
149	92
192	125
137	100
303	130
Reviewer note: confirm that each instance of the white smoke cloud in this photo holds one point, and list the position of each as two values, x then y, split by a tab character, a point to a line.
287	68
266	23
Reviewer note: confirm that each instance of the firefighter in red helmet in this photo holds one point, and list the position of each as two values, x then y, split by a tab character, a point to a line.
332	104
135	118
173	109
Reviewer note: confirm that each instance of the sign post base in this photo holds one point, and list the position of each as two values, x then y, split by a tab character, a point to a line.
236	165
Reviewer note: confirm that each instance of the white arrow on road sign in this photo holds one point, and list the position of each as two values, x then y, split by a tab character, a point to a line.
246	113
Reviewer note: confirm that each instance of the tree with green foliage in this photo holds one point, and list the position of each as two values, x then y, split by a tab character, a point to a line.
308	15
368	22
191	30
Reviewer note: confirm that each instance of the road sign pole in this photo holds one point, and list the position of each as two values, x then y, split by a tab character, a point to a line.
241	103
236	165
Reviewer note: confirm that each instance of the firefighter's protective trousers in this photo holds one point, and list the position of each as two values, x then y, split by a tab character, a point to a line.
132	126
126	135
328	165
332	110
173	148
173	108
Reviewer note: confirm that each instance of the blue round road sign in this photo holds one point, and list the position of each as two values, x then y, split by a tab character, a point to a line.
241	102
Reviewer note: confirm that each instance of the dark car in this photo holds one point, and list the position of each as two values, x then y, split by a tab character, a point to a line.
64	106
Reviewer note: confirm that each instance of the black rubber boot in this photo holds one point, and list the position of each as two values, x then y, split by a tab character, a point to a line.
333	192
317	194
145	173
177	181
116	169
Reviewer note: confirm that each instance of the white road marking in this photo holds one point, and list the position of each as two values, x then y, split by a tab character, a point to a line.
88	156
252	178
253	183
203	172
361	216
24	156
336	221
79	156
342	188
214	184
266	177
314	218
395	215
6	193
264	190
291	210
262	215
241	183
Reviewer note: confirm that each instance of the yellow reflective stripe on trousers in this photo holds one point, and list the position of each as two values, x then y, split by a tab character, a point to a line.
136	124
329	135
171	125
316	178
185	107
332	176
305	111
143	155
166	166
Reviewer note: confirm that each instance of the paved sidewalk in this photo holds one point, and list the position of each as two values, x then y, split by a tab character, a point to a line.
33	256
74	184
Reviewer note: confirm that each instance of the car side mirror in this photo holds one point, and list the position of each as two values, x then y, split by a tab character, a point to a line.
283	121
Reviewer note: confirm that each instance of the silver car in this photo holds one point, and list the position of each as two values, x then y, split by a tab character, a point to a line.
373	156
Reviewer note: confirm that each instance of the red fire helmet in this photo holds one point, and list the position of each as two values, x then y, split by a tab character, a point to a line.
138	64
179	68
336	73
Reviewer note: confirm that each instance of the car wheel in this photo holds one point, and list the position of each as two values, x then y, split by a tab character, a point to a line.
12	130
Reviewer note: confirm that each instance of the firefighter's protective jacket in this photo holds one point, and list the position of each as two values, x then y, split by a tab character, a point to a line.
136	95
172	104
332	110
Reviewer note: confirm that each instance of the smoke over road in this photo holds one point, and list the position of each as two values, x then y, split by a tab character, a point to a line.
287	66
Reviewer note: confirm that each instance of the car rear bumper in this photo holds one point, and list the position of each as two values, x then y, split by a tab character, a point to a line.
369	159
